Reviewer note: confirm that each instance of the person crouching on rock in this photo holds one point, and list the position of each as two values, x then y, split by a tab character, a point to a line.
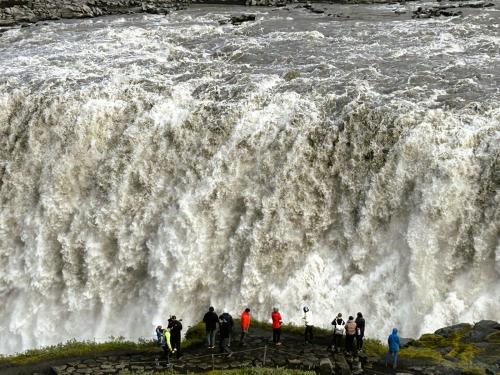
165	344
175	335
308	333
277	322
225	327
350	333
393	341
245	324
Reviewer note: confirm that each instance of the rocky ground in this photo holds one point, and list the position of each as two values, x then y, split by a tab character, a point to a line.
13	12
460	349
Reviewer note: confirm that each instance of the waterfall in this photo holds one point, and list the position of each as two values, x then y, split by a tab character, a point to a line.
130	192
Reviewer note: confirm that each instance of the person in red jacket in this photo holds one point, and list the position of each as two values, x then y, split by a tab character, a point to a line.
245	324
277	322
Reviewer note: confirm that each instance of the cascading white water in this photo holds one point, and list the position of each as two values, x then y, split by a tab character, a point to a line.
154	165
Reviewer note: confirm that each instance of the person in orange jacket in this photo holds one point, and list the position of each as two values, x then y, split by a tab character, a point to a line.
245	324
277	321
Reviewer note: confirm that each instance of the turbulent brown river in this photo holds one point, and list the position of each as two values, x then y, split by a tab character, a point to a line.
154	165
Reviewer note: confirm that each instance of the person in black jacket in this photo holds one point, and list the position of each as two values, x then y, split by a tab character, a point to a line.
210	319
360	330
225	327
175	334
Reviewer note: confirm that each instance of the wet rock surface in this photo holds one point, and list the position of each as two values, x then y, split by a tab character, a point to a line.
30	11
447	10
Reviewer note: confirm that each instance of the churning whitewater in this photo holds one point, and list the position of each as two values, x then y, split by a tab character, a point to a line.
156	165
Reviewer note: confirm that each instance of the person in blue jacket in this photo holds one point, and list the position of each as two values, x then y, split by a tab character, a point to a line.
393	342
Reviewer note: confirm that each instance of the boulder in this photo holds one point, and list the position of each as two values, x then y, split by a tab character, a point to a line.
341	366
59	369
481	330
325	366
238	20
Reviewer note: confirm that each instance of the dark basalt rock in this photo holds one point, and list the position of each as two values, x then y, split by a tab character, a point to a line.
238	20
476	5
481	330
448	331
434	12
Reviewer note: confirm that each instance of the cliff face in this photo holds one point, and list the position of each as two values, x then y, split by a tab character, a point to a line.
18	11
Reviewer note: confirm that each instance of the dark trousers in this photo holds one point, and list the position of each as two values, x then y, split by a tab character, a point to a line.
176	344
166	352
276	335
349	343
337	342
244	334
308	334
359	342
223	345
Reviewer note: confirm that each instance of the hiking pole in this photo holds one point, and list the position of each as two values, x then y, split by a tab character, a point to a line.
213	363
265	354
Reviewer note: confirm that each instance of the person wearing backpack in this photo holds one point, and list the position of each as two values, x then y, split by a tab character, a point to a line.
338	331
360	331
350	333
175	335
165	344
225	327
277	322
210	319
393	342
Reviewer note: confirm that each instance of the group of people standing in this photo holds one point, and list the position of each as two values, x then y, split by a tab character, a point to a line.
353	331
226	324
170	338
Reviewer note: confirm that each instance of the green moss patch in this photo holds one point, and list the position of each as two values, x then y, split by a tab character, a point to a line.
423	354
453	344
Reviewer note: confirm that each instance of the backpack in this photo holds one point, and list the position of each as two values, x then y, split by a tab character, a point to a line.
339	328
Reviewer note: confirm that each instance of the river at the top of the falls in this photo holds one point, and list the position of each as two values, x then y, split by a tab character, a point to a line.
154	165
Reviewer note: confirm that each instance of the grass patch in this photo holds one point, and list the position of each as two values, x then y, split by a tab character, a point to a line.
75	348
374	348
286	328
195	336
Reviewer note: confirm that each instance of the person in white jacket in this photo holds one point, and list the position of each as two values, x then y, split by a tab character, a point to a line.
308	333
